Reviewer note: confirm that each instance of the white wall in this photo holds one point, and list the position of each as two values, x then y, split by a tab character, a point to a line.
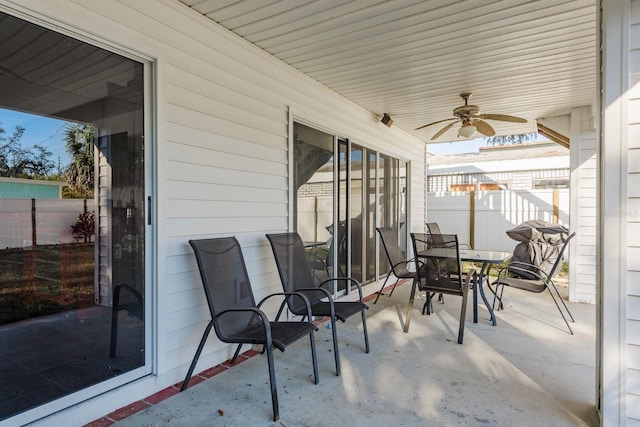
582	271
632	219
221	123
618	249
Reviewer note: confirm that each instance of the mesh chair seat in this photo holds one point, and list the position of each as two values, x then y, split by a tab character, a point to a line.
525	284
282	334
343	311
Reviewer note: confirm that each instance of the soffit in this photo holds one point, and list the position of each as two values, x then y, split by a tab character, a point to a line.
412	58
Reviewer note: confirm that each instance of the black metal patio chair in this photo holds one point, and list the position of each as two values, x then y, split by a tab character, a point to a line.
398	263
295	275
235	316
532	278
439	270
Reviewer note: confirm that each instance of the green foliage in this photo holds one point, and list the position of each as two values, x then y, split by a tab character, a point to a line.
19	162
511	139
85	226
80	172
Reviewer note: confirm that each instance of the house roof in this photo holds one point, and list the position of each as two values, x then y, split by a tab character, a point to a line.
537	155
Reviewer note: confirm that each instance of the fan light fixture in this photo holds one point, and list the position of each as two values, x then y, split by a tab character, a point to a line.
467	130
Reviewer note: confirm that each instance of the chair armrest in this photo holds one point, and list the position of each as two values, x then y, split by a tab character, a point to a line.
288	295
526	269
351	279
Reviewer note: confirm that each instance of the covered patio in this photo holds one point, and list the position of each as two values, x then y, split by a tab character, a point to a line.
526	371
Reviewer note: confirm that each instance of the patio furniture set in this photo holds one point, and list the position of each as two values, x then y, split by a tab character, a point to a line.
436	269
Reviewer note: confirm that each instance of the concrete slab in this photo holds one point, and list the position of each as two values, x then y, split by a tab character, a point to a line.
527	371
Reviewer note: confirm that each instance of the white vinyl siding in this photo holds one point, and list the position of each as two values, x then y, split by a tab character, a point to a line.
583	218
632	216
221	148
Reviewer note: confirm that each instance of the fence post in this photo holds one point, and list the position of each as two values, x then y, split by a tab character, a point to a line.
472	217
34	233
556	205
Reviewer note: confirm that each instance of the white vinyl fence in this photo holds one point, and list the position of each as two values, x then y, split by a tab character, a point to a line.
47	221
491	213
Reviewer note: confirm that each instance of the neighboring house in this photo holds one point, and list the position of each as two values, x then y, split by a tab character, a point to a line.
528	166
197	132
18	188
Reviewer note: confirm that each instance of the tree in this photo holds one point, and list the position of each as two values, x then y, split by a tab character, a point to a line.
19	162
79	174
511	139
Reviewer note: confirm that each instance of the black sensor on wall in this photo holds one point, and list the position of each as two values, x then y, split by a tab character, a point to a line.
386	119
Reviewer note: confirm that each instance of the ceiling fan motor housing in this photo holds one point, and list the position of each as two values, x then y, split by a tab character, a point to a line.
466	111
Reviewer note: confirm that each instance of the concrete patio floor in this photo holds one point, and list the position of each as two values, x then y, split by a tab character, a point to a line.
527	371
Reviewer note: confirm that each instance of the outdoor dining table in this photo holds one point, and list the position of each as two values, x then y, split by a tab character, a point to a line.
487	258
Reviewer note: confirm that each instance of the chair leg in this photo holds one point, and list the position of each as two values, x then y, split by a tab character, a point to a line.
383	285
394	288
364	327
235	355
203	340
314	359
114	321
272	381
463	310
562	301
336	353
560	310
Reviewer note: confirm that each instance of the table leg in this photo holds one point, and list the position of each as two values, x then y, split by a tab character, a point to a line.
475	297
411	298
485	271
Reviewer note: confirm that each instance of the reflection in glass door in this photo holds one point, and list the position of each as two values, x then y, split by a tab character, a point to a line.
72	280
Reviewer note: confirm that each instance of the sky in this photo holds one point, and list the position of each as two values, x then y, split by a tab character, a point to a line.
457	147
38	130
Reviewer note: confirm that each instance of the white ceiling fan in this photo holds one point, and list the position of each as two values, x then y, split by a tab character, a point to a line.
472	121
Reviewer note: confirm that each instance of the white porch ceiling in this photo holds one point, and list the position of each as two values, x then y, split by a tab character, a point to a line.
412	58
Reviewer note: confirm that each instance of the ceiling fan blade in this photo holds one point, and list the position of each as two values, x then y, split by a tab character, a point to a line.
484	127
443	130
434	123
502	117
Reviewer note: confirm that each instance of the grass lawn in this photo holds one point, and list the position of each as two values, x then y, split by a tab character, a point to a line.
45	280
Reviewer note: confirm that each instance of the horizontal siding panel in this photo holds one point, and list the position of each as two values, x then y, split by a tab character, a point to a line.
195	226
633	332
633	259
634	132
211	209
197	164
210	140
633	283
633	382
200	120
208	85
202	191
633	357
633	310
198	101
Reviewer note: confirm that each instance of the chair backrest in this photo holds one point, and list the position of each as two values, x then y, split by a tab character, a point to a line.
437	262
226	283
391	247
293	267
433	228
558	262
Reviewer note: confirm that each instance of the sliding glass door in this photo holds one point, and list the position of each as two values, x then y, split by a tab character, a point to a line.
343	191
